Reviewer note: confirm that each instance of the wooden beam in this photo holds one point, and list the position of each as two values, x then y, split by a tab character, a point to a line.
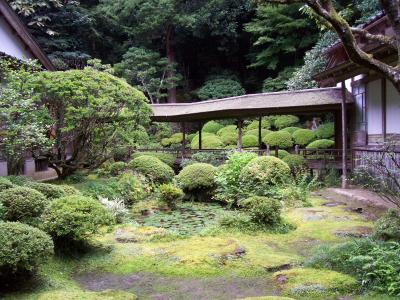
259	133
344	136
384	106
240	135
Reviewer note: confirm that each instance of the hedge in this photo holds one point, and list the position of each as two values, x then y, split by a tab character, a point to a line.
280	139
321	144
303	137
153	168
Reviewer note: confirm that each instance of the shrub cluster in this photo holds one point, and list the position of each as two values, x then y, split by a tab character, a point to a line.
388	226
263	211
281	153
167	158
220	88
265	124
5	184
296	163
208	141
284	121
170	194
23	204
254	132
212	127
153	168
321	144
249	141
291	130
227	129
229	138
50	191
176	138
280	139
325	131
303	137
116	168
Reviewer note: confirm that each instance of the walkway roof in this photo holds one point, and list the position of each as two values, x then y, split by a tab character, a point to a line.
304	102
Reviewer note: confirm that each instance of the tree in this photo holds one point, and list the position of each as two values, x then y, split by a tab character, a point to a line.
349	35
92	112
24	122
149	71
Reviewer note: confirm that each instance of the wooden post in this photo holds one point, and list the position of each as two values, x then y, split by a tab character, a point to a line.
200	138
344	136
240	135
183	139
259	134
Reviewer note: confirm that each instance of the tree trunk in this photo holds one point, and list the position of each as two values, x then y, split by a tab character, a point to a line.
171	60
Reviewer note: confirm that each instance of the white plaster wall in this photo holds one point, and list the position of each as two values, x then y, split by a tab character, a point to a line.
374	107
10	43
393	109
3	168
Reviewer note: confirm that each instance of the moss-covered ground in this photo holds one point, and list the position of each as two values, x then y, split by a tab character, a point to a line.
162	262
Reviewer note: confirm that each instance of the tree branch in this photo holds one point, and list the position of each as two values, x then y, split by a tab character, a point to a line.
383	39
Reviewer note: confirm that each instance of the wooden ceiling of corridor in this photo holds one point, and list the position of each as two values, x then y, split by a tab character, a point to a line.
301	102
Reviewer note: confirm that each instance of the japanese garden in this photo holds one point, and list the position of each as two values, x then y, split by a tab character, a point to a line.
201	149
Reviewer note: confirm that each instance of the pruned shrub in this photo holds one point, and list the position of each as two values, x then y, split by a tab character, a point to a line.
176	138
321	144
227	178
249	141
197	180
296	163
131	188
220	88
263	210
22	248
153	168
229	138
388	226
281	153
325	131
167	158
69	190
116	168
18	179
210	141
303	137
280	139
74	218
212	127
23	204
262	173
291	130
5	184
170	194
284	121
265	124
227	129
51	191
211	158
237	220
254	132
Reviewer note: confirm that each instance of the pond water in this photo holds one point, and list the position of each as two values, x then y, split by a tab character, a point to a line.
189	218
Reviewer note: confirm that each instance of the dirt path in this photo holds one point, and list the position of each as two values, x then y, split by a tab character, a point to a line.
151	286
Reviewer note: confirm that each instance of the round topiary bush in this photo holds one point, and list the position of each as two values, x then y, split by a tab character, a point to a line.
22	247
5	184
51	191
263	210
303	137
281	153
220	88
284	121
227	129
197	180
167	158
74	218
153	168
18	179
321	144
325	131
176	138
209	141
23	204
387	227
229	138
116	168
212	127
265	124
296	163
249	141
280	139
254	132
262	173
291	130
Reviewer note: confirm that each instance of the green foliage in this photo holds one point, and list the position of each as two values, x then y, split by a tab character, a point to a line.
84	98
197	180
74	218
153	168
388	226
227	177
167	158
229	138
296	163
303	137
23	204
279	32
18	180
254	132
50	191
176	138
291	130
116	168
170	194
237	220
321	144
332	178
265	124
220	88
375	264
5	184
280	139
249	141
264	211
212	127
117	209
262	173
69	190
209	141
325	131
211	158
22	248
147	69
281	153
227	129
2	211
284	121
278	83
